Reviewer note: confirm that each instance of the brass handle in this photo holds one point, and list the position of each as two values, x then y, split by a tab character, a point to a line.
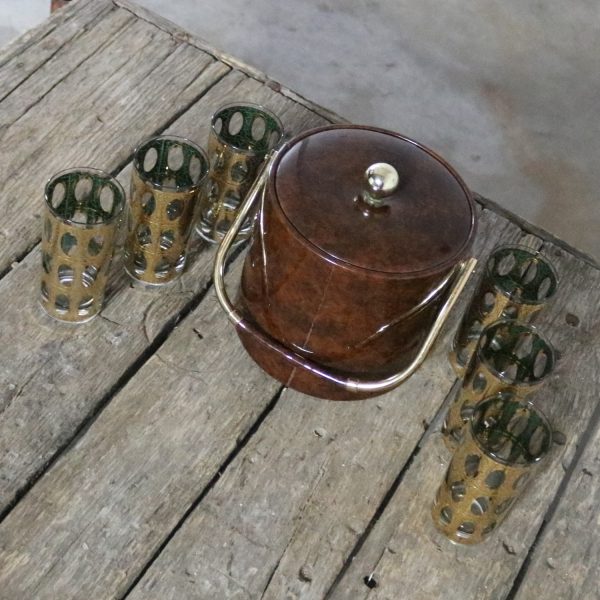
461	276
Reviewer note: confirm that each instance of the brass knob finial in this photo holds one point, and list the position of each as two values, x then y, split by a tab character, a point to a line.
382	180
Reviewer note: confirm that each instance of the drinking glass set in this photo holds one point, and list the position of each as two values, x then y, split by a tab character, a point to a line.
497	435
175	187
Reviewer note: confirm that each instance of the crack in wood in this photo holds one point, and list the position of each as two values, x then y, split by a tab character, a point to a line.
88	421
438	418
18	259
235	64
292	539
240	445
77	35
6	405
122	166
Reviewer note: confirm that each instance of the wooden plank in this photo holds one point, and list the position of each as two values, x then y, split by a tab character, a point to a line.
284	517
179	33
52	380
101	512
68	58
566	560
536	231
28	53
125	91
406	556
90	524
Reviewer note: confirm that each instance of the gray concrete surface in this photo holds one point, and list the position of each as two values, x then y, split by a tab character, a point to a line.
506	91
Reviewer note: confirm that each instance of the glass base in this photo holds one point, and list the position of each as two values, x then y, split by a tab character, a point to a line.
56	318
152	285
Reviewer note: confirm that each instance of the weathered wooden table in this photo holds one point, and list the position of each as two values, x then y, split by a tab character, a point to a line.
145	456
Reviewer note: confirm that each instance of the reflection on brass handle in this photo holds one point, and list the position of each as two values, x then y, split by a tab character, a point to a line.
461	276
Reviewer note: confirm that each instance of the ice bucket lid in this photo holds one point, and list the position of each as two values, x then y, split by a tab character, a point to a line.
375	200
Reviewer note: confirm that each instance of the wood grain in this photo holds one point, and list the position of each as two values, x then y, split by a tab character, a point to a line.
30	52
566	560
407	556
227	58
91	38
121	510
128	325
283	519
93	520
52	380
122	90
145	455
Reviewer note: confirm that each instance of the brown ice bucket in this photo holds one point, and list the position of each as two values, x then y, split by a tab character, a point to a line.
359	250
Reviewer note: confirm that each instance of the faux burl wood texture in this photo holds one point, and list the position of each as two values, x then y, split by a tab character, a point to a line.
317	474
71	372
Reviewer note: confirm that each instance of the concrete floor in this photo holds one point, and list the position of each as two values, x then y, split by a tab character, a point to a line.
506	91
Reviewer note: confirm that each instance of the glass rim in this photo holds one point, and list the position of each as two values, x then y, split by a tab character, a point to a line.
534	253
258	107
164	188
532	329
104	175
499	396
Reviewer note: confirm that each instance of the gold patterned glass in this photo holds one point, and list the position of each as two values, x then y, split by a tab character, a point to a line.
240	138
516	284
81	219
505	440
168	173
509	356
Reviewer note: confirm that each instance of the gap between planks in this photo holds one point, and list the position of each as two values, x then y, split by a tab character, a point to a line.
562	489
496	232
188	544
37	34
147	17
73	66
125	163
241	444
36	132
397	564
136	365
103	12
296	118
194	40
429	429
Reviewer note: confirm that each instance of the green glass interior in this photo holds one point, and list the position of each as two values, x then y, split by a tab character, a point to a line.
511	431
160	173
516	352
244	139
522	274
87	207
